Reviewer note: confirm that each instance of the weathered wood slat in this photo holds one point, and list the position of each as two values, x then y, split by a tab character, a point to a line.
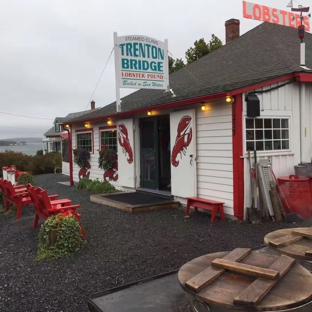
285	240
208	275
245	269
253	294
303	232
308	253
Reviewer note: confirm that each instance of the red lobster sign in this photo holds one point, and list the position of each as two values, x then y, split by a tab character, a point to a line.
124	142
183	139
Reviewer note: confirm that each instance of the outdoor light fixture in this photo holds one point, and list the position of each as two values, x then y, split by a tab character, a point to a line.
203	108
149	113
109	122
87	125
253	105
229	99
67	126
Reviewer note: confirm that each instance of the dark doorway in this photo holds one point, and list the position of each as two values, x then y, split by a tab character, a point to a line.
155	153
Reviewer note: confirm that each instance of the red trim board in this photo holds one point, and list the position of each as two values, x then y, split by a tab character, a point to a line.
238	162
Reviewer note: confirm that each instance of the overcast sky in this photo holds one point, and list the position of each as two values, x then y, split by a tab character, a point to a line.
52	52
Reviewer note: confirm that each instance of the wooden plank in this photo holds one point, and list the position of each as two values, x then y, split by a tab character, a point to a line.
253	294
303	232
246	269
308	253
208	275
284	240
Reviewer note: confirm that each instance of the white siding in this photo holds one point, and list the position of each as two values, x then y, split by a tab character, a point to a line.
95	171
214	154
284	101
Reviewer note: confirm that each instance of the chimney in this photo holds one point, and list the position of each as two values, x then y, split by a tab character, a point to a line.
92	104
231	29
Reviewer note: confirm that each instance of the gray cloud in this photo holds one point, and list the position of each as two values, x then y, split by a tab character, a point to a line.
52	53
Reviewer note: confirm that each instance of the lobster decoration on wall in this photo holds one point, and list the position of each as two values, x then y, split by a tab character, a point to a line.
111	174
84	172
124	142
183	139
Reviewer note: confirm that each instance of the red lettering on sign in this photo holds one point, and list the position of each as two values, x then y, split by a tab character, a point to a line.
291	19
257	12
266	14
245	14
275	18
284	13
306	23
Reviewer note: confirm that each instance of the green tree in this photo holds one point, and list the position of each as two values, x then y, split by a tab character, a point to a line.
202	48
175	65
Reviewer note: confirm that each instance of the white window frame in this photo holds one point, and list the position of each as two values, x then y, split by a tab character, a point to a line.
267	114
108	130
85	132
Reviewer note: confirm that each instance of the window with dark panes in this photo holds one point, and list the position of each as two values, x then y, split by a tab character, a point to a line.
109	138
84	140
267	134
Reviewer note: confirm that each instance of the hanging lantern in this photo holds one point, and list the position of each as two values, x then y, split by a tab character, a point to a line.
301	31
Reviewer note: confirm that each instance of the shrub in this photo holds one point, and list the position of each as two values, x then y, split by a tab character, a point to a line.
96	186
37	164
26	178
59	236
83	183
40	152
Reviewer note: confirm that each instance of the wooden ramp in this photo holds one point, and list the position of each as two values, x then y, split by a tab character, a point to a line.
135	201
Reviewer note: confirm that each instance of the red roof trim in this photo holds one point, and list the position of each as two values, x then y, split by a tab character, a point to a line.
261	84
157	107
304	77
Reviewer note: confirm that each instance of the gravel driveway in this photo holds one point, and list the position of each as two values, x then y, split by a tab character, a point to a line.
121	248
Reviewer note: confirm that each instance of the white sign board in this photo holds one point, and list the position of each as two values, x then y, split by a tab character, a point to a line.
276	16
141	62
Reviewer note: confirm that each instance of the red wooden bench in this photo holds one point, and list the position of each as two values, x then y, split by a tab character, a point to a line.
45	208
206	204
16	196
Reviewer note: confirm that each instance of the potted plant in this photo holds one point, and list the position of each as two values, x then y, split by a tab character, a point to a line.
81	157
107	157
108	161
59	236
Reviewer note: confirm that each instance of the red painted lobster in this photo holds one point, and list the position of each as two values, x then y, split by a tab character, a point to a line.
84	172
111	174
183	139
125	143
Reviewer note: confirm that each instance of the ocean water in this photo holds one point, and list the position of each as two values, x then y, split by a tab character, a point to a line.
28	149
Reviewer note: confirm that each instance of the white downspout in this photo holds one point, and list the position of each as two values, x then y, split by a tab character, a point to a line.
304	144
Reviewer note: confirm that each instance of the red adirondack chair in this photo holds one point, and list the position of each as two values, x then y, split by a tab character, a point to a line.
44	207
16	196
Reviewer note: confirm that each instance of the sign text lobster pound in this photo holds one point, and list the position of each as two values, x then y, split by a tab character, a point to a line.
276	16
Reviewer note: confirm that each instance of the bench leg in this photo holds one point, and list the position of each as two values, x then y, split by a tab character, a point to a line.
213	215
188	205
221	212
